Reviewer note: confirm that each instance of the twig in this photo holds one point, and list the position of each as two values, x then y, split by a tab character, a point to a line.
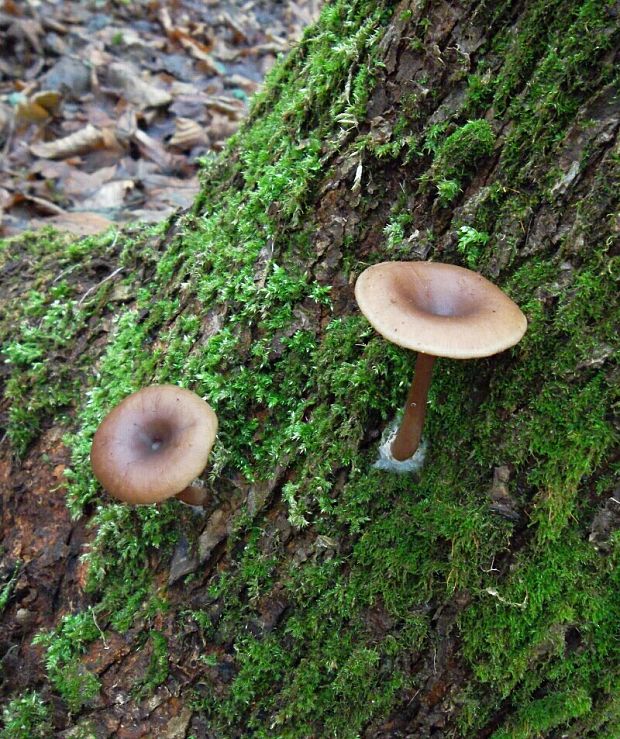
495	594
105	643
491	568
99	284
65	272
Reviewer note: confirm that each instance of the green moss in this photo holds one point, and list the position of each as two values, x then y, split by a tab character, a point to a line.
567	50
76	685
7	588
544	714
157	671
52	320
459	153
455	157
471	243
26	717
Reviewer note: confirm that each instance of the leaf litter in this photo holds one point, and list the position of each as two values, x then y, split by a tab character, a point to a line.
107	107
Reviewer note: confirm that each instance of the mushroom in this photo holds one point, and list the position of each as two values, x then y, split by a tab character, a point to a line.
153	444
439	310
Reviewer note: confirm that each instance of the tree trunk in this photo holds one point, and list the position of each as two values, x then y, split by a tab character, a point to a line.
318	596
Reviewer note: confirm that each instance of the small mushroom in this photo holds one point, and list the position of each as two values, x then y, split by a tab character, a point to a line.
439	310
153	444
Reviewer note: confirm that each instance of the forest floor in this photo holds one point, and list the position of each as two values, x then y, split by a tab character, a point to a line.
106	108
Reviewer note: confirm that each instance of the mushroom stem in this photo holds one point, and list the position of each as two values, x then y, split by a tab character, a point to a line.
408	436
192	495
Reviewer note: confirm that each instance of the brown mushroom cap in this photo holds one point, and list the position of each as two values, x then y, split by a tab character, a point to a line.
153	444
438	309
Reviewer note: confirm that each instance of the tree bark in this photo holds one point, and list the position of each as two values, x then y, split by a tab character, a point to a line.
317	596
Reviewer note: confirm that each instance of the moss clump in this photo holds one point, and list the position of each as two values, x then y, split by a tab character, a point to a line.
76	685
458	155
540	716
47	330
559	53
157	670
26	717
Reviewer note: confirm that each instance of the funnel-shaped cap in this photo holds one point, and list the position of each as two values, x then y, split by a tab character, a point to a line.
153	444
439	309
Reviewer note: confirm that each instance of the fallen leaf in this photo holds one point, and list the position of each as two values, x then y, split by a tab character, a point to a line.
50	170
6	118
38	108
79	224
50	100
70	76
245	83
153	150
232	107
220	128
109	196
188	134
43	203
78	183
29	112
6	201
79	142
197	49
28	29
134	89
126	126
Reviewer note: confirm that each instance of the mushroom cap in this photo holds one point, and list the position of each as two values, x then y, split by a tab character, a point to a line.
439	309
153	444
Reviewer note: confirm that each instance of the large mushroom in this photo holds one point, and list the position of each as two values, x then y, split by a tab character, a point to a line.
153	444
439	310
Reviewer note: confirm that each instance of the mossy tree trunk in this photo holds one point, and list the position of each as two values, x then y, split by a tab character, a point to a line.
319	596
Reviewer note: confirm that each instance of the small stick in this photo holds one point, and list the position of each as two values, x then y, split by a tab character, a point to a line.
98	285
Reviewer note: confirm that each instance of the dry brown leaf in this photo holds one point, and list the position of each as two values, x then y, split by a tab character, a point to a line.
165	19
53	25
240	34
126	126
48	99
232	107
86	139
134	89
197	49
221	127
6	118
28	111
150	215
188	134
38	108
28	29
77	183
153	150
109	196
79	224
50	170
109	139
6	201
177	197
245	83
43	204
